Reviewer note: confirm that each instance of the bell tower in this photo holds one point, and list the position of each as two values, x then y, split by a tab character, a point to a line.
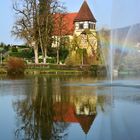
84	19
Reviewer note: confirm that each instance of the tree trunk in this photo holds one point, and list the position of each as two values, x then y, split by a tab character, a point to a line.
45	55
57	55
36	54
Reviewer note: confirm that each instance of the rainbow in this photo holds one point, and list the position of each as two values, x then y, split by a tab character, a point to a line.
126	46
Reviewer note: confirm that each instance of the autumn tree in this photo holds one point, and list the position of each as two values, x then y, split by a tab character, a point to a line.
74	57
84	49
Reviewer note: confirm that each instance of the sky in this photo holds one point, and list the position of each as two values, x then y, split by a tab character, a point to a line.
108	13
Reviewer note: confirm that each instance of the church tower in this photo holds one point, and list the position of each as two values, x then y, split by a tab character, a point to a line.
84	19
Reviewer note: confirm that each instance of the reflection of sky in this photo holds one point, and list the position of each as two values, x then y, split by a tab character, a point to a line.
121	123
100	130
7	119
76	132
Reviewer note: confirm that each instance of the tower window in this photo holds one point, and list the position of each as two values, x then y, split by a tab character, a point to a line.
90	26
94	26
81	26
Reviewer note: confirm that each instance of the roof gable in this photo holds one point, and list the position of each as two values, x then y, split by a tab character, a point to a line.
85	14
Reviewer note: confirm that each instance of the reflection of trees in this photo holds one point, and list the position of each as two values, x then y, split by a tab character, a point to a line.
86	105
35	113
47	108
103	101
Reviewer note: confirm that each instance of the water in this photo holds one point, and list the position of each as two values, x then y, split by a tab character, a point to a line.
46	108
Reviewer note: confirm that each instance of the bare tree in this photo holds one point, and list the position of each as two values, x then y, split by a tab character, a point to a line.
34	23
60	29
26	25
47	10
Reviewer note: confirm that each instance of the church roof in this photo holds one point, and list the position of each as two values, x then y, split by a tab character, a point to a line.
86	121
85	14
65	112
65	23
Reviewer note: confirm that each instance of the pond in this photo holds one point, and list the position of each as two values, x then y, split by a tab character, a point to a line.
57	108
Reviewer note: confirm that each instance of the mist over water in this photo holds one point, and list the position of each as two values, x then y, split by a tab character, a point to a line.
124	43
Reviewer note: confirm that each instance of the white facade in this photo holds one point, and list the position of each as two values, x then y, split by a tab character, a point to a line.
81	26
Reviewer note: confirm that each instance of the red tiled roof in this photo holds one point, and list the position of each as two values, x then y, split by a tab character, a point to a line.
64	112
64	24
85	14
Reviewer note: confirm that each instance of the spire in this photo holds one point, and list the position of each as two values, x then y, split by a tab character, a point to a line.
85	13
85	121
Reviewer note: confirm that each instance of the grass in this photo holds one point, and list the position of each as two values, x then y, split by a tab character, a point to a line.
50	71
45	70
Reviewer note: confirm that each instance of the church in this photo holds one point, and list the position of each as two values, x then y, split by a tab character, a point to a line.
81	24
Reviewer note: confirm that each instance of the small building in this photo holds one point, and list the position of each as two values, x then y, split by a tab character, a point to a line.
84	20
69	24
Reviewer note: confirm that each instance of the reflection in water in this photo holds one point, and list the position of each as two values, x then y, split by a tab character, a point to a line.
34	111
104	102
45	109
47	112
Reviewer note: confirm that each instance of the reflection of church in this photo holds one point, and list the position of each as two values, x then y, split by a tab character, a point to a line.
80	110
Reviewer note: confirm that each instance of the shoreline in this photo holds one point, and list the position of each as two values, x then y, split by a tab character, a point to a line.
60	69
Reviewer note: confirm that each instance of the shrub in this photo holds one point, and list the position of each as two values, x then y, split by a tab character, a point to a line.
14	49
74	58
63	53
15	66
26	53
15	54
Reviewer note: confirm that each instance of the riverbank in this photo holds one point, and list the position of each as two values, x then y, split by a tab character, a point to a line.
50	71
35	69
3	70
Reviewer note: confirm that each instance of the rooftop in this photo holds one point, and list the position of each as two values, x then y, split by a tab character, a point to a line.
85	14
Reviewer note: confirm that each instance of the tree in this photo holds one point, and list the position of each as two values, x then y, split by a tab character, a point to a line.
60	29
64	48
26	25
46	12
89	42
35	23
74	57
85	49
